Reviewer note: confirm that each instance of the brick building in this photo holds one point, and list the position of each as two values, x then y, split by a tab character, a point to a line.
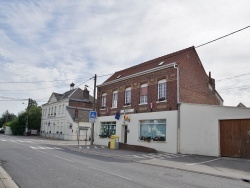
143	96
59	114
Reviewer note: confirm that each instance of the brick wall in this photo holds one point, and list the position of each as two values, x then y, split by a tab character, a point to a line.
194	85
81	104
135	84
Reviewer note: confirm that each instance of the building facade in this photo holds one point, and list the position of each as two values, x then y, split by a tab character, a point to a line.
62	114
140	104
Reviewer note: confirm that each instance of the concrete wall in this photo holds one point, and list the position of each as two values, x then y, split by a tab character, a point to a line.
170	145
199	127
8	130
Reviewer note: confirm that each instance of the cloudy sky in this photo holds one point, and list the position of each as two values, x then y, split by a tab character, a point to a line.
46	45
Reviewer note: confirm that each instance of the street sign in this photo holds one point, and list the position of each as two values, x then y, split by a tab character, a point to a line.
92	116
83	128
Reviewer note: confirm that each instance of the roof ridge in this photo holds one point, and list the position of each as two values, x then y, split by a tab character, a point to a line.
162	57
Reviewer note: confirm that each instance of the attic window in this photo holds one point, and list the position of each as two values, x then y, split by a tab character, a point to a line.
161	63
119	76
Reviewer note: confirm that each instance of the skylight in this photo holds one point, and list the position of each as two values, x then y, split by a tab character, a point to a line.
119	76
161	63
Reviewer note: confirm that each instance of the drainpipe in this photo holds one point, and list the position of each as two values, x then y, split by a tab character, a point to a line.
178	105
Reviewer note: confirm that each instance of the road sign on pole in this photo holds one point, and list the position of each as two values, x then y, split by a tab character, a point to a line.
92	116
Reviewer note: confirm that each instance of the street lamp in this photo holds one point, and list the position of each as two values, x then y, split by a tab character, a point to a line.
27	120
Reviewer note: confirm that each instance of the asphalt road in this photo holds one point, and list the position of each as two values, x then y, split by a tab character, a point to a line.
34	163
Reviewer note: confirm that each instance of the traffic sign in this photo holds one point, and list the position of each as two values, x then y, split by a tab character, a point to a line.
92	115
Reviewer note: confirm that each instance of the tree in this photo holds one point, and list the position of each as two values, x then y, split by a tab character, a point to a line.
6	117
35	114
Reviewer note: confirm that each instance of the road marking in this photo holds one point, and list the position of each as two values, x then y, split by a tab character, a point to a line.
56	156
13	140
103	147
95	147
111	173
4	140
32	147
203	162
88	147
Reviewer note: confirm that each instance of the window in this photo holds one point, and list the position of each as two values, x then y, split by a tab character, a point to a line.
153	129
63	109
52	111
59	109
128	96
55	111
143	94
49	112
103	102
114	99
108	129
162	90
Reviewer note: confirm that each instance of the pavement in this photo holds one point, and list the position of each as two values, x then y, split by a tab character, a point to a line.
232	168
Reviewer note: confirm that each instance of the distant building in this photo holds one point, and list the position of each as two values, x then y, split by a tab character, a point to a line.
241	105
60	115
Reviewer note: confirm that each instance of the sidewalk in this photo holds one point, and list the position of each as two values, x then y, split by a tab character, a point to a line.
232	168
5	180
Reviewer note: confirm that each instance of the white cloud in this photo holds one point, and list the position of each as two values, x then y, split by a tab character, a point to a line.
73	40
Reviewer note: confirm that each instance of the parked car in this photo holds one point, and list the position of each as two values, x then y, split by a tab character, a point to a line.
1	130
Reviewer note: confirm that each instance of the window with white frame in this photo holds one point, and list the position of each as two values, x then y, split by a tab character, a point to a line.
52	111
144	94
103	102
49	112
63	109
59	109
55	111
128	96
153	129
114	99
107	129
162	90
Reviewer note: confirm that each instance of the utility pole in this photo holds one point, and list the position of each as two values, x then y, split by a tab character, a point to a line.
92	125
27	119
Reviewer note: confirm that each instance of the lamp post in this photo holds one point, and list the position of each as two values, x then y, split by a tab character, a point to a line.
92	125
27	119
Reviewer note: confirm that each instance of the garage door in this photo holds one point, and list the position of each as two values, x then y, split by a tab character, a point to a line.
235	138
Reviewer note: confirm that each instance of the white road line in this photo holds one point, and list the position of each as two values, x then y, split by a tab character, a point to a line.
111	173
88	147
203	162
4	140
103	147
148	156
137	156
95	147
13	140
56	156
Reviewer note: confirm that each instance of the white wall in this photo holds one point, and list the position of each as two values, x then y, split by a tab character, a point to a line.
199	127
8	130
170	145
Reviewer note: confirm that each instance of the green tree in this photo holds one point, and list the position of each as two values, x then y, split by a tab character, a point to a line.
6	117
18	125
35	114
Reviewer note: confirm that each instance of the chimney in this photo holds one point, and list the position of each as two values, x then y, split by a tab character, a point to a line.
211	81
86	94
72	85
